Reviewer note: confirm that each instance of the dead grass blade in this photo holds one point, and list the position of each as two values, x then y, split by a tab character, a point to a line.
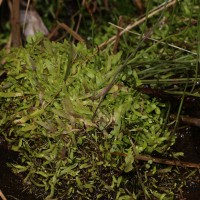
155	40
140	21
72	32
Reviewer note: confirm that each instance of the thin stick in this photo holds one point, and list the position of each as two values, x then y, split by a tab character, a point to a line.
51	34
168	162
117	36
155	40
15	26
162	161
71	32
2	195
192	121
131	26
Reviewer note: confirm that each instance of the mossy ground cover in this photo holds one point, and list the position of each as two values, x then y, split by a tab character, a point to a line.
77	116
63	135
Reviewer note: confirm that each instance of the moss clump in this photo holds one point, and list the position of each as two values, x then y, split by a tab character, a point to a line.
70	135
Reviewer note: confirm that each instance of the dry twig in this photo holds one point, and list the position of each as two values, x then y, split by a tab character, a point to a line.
72	32
117	36
192	121
15	22
138	22
162	160
155	40
2	195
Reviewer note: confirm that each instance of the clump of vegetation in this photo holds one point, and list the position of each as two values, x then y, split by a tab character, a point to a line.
80	118
51	113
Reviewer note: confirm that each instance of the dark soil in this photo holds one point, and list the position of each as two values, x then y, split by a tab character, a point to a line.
10	184
188	141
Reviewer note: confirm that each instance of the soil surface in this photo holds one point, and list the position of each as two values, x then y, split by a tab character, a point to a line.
188	141
10	184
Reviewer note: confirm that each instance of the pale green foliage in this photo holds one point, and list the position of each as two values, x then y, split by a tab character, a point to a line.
47	115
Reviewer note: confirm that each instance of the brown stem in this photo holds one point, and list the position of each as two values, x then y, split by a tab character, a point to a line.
71	32
117	36
162	161
140	21
2	195
15	23
192	121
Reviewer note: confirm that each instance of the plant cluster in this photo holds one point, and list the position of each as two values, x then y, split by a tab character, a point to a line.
51	114
77	116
